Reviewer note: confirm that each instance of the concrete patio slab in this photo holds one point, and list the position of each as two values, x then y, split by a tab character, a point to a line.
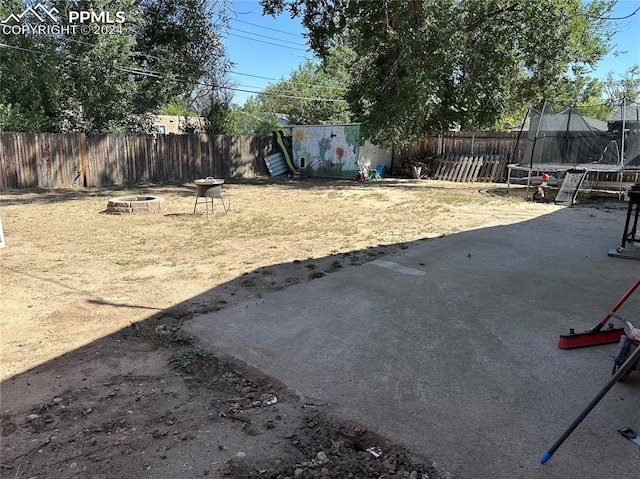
451	347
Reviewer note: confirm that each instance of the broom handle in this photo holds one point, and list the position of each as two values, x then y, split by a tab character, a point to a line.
616	307
623	369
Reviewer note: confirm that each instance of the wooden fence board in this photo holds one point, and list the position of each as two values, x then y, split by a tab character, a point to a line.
139	157
42	162
472	168
25	160
477	165
448	169
500	174
462	169
119	157
457	171
116	175
54	157
442	167
468	171
455	168
451	165
464	172
186	156
147	153
484	171
491	171
72	163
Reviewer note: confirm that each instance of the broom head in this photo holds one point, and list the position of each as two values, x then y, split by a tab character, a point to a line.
590	338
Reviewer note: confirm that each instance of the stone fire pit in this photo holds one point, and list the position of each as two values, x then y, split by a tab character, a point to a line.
127	205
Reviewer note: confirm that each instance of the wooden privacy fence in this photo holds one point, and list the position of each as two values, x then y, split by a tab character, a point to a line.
48	160
466	168
52	160
506	145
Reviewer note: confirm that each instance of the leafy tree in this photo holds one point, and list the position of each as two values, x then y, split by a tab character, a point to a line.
29	85
432	64
627	86
257	119
175	38
587	95
233	122
314	93
216	115
325	85
177	107
13	119
212	101
108	81
96	73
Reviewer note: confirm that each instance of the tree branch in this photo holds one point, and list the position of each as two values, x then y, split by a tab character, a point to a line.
491	15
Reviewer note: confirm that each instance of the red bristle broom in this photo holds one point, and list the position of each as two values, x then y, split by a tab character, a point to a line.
596	335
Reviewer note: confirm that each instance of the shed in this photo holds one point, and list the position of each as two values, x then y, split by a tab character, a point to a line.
631	118
337	151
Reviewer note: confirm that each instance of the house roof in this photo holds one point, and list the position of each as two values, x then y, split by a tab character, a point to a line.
571	121
631	113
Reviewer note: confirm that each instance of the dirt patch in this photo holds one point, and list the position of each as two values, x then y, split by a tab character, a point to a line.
181	412
99	380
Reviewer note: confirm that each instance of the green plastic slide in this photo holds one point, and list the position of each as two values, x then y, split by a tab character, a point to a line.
278	139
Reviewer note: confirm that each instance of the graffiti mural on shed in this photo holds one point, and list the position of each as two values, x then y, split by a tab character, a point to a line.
334	150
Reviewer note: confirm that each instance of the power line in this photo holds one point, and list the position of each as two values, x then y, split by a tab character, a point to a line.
256	76
290	88
291	97
22	49
263	36
269	43
266	28
621	18
313	85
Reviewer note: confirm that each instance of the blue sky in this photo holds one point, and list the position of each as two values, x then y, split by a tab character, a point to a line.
627	40
262	46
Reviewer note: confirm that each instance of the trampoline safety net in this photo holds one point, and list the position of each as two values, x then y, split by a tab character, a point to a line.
588	137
